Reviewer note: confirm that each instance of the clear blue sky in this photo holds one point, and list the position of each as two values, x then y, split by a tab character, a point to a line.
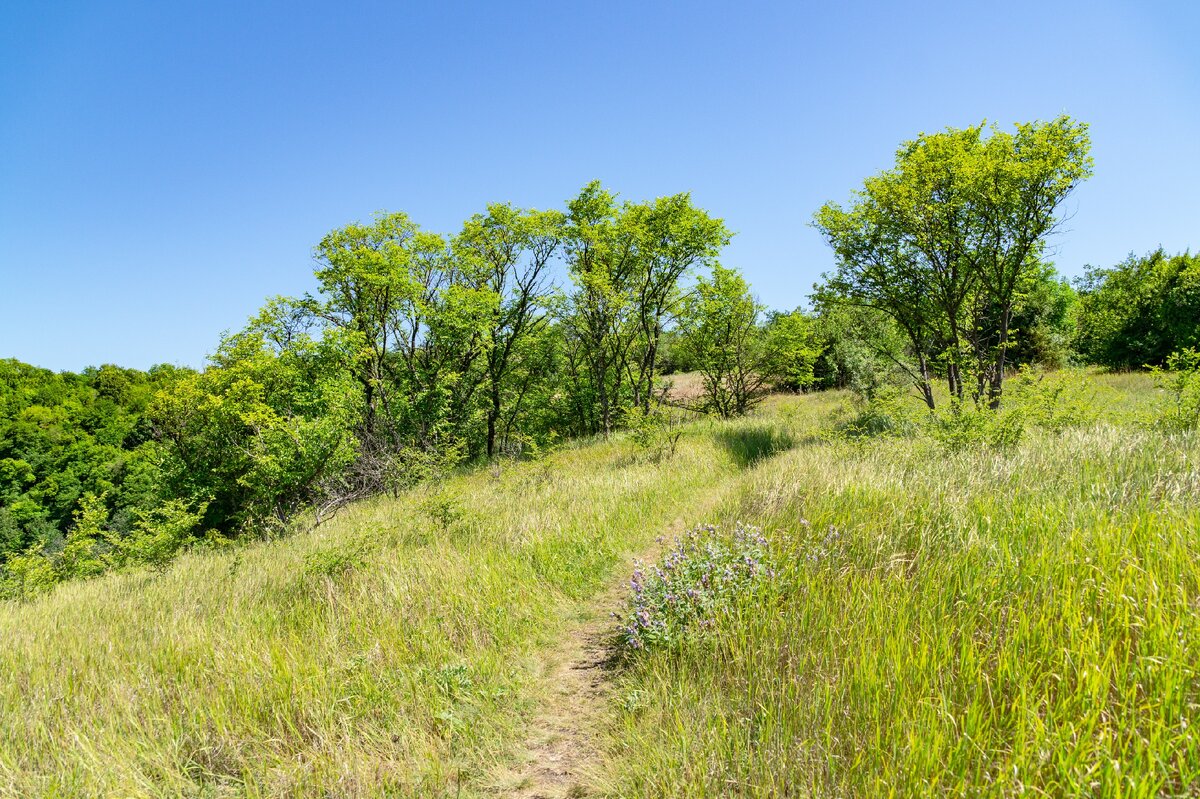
165	166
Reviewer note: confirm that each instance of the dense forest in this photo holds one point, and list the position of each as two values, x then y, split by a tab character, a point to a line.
422	351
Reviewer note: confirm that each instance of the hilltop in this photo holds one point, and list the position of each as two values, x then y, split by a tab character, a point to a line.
935	619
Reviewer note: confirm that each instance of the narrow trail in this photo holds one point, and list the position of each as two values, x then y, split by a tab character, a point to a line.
563	745
563	756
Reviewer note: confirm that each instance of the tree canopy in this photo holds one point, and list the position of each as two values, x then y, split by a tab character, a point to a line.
944	242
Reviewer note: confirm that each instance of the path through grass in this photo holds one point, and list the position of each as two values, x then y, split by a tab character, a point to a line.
396	651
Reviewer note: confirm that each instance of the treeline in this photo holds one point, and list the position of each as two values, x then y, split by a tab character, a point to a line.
421	351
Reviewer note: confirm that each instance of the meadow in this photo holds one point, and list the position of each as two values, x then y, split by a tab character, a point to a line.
941	615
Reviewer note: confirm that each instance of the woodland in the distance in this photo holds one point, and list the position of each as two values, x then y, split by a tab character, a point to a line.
423	352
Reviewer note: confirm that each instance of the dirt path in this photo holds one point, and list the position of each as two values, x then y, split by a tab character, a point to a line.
563	743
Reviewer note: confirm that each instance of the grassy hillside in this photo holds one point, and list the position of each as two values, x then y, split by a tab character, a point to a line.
392	651
970	623
960	622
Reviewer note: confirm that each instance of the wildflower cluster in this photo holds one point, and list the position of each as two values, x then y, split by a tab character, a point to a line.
694	582
820	549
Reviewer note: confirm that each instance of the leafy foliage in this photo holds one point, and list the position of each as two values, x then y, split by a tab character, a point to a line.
1181	380
259	434
791	348
721	333
64	437
1140	311
946	243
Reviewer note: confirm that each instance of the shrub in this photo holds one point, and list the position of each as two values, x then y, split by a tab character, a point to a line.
158	535
1181	380
82	556
27	576
887	410
655	432
444	508
961	425
333	562
698	579
1052	401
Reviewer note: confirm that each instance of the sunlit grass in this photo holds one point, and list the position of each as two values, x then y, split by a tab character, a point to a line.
970	623
392	651
965	622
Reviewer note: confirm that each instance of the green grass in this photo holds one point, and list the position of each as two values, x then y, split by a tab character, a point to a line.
390	652
976	623
958	623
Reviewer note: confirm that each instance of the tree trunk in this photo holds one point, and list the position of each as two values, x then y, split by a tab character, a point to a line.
493	417
926	385
996	389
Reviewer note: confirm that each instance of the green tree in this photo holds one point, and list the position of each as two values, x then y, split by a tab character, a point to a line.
82	555
673	238
1140	311
514	250
720	329
259	434
944	241
599	317
64	436
627	263
376	283
414	321
791	350
862	349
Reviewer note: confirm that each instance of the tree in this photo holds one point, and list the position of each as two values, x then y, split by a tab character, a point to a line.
862	349
257	435
1140	311
791	350
673	237
66	436
514	250
415	320
1024	177
627	262
1043	320
376	282
943	242
721	333
878	270
599	317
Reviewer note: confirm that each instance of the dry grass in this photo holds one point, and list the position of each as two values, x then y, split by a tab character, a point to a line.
975	622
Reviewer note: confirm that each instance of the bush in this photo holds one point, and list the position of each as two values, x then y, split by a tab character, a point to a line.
1140	311
1052	401
655	432
333	562
886	410
697	580
27	576
1181	380
1035	398
158	535
962	425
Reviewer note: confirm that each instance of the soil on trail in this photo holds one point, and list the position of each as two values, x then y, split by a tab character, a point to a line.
563	744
